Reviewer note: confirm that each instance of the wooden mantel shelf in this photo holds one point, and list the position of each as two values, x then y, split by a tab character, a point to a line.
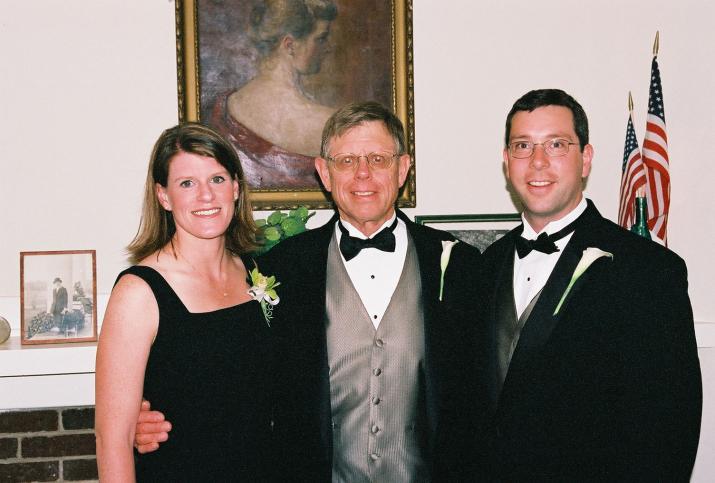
48	375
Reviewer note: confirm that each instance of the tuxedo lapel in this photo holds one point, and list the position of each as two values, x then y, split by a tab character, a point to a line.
428	246
503	275
428	256
428	253
542	320
315	278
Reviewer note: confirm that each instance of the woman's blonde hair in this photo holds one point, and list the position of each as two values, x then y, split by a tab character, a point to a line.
157	227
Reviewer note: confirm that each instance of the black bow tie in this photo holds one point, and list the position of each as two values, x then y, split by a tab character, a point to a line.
544	243
350	246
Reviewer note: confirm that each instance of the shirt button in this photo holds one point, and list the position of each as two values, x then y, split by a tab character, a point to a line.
377	371
379	342
374	456
374	429
375	400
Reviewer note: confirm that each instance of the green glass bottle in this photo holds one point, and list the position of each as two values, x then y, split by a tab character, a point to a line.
640	227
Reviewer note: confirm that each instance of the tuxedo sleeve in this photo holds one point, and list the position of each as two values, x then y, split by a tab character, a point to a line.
664	400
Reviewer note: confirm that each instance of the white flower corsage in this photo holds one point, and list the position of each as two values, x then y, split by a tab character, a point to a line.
264	291
444	261
590	255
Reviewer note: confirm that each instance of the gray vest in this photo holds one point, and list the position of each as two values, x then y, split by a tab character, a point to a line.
507	324
376	379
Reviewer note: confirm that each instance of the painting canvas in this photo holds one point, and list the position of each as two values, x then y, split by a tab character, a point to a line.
58	294
267	75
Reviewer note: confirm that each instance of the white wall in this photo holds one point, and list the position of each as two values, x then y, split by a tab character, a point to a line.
87	86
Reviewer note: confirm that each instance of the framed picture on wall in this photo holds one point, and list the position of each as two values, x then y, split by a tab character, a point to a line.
267	75
58	293
480	230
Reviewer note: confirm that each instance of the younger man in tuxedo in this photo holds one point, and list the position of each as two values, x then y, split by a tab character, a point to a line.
595	380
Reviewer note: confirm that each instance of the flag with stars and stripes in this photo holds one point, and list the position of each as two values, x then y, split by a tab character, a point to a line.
633	177
655	158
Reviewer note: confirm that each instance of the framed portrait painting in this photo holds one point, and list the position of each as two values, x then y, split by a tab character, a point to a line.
267	74
479	230
58	293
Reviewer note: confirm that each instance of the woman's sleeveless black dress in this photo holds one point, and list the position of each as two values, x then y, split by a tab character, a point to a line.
210	374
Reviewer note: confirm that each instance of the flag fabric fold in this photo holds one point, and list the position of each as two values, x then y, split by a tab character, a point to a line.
655	158
633	177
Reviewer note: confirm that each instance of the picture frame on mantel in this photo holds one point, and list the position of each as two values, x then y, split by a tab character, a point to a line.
58	294
479	230
269	90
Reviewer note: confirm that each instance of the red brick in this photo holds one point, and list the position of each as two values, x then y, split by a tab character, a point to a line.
76	470
27	421
42	471
78	418
8	448
63	445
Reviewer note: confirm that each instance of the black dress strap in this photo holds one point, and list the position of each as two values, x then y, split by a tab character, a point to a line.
166	297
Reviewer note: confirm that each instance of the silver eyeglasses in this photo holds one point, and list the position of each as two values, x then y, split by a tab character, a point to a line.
350	162
553	147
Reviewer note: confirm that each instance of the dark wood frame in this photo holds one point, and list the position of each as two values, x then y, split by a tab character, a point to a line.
24	340
481	225
189	98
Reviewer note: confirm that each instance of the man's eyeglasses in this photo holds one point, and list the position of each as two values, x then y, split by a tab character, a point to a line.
554	147
350	162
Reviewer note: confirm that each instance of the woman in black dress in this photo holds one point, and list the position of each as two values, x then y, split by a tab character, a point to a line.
181	328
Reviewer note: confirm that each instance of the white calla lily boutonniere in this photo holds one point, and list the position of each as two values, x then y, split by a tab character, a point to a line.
590	255
263	290
447	246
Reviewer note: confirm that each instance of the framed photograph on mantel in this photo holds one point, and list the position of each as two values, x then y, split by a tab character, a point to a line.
267	74
58	293
478	230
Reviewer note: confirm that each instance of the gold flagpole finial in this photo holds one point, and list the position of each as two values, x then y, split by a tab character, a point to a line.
630	102
656	44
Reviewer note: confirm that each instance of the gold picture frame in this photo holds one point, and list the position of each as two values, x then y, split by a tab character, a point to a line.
219	53
58	297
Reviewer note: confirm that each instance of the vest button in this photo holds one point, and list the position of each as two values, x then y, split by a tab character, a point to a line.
374	429
375	400
377	371
379	342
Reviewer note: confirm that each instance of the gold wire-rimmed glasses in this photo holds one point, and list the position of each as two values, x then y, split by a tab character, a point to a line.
553	147
350	161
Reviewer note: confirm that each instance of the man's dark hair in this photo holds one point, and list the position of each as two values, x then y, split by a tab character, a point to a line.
551	97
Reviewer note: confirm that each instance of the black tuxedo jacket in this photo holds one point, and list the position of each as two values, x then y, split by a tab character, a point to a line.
302	415
608	389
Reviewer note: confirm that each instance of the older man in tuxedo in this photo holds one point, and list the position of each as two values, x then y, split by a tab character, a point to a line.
594	366
375	325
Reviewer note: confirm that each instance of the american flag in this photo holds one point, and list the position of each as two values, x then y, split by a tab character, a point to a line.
655	158
633	177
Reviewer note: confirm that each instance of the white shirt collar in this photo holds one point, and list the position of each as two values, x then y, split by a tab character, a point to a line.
554	226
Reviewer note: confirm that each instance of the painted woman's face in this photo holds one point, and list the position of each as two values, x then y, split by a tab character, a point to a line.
309	52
